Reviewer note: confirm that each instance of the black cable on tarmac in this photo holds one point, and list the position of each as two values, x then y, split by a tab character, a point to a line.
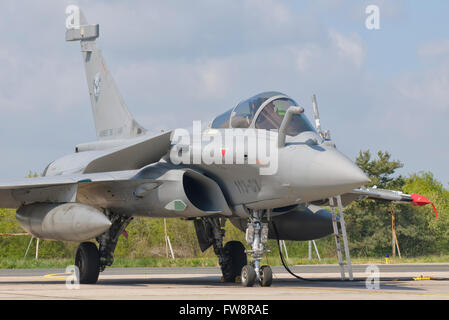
282	257
331	280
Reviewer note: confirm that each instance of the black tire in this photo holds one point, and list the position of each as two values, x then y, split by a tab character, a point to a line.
248	276
87	260
235	250
266	276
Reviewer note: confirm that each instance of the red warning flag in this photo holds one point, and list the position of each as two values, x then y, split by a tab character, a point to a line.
419	201
125	234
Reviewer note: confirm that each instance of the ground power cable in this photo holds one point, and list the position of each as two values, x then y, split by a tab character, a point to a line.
335	280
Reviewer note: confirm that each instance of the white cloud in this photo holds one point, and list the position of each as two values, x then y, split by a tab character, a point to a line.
428	90
214	78
39	84
273	14
348	47
306	56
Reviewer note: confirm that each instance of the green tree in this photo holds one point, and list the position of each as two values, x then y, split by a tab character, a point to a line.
380	170
369	222
424	183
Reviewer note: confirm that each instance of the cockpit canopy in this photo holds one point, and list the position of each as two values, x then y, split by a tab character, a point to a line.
263	111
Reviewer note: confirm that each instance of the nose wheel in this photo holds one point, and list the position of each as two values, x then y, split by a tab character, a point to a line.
256	237
249	276
266	276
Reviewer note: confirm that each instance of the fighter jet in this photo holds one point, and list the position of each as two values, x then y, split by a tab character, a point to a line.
261	165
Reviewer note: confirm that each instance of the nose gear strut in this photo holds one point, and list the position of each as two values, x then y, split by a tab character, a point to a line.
256	237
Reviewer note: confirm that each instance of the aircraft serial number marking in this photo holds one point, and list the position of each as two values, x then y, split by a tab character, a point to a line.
247	186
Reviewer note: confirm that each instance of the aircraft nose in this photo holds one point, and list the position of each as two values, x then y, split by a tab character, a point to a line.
336	173
345	172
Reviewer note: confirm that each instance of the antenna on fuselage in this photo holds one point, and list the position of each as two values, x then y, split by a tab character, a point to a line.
326	135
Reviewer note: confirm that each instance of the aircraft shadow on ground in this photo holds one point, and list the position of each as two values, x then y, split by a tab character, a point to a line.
397	283
393	283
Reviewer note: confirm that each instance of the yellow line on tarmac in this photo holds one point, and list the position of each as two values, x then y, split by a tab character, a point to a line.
55	276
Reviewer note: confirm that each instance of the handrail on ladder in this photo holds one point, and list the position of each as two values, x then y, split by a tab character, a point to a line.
341	220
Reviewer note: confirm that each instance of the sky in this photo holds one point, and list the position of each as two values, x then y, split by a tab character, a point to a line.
178	61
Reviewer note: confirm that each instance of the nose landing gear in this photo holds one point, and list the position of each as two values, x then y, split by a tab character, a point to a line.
256	236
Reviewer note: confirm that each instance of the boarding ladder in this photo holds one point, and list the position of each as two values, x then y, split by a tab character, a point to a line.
338	218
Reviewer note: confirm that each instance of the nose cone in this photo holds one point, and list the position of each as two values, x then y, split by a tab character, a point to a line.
342	171
336	173
325	172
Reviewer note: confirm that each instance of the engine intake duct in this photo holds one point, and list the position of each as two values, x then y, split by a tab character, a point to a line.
181	192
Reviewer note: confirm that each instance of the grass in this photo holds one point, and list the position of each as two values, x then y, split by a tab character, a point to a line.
20	263
164	262
31	263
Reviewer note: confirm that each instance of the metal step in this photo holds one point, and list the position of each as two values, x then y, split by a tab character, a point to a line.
338	236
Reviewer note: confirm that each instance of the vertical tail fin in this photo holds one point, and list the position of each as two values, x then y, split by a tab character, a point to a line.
111	116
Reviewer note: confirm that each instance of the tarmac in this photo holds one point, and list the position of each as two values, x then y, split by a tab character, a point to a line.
396	282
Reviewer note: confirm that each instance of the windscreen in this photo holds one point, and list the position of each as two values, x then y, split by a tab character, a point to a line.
273	113
222	121
245	111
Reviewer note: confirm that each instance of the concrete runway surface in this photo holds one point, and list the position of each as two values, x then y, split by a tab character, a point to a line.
204	283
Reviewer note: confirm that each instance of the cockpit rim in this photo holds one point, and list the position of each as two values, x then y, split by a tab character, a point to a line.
263	105
252	125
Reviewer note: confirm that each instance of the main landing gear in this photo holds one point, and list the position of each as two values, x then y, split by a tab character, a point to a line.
231	256
90	260
256	237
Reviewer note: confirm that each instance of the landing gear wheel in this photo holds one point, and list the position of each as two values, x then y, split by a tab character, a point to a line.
236	251
248	276
266	276
87	260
